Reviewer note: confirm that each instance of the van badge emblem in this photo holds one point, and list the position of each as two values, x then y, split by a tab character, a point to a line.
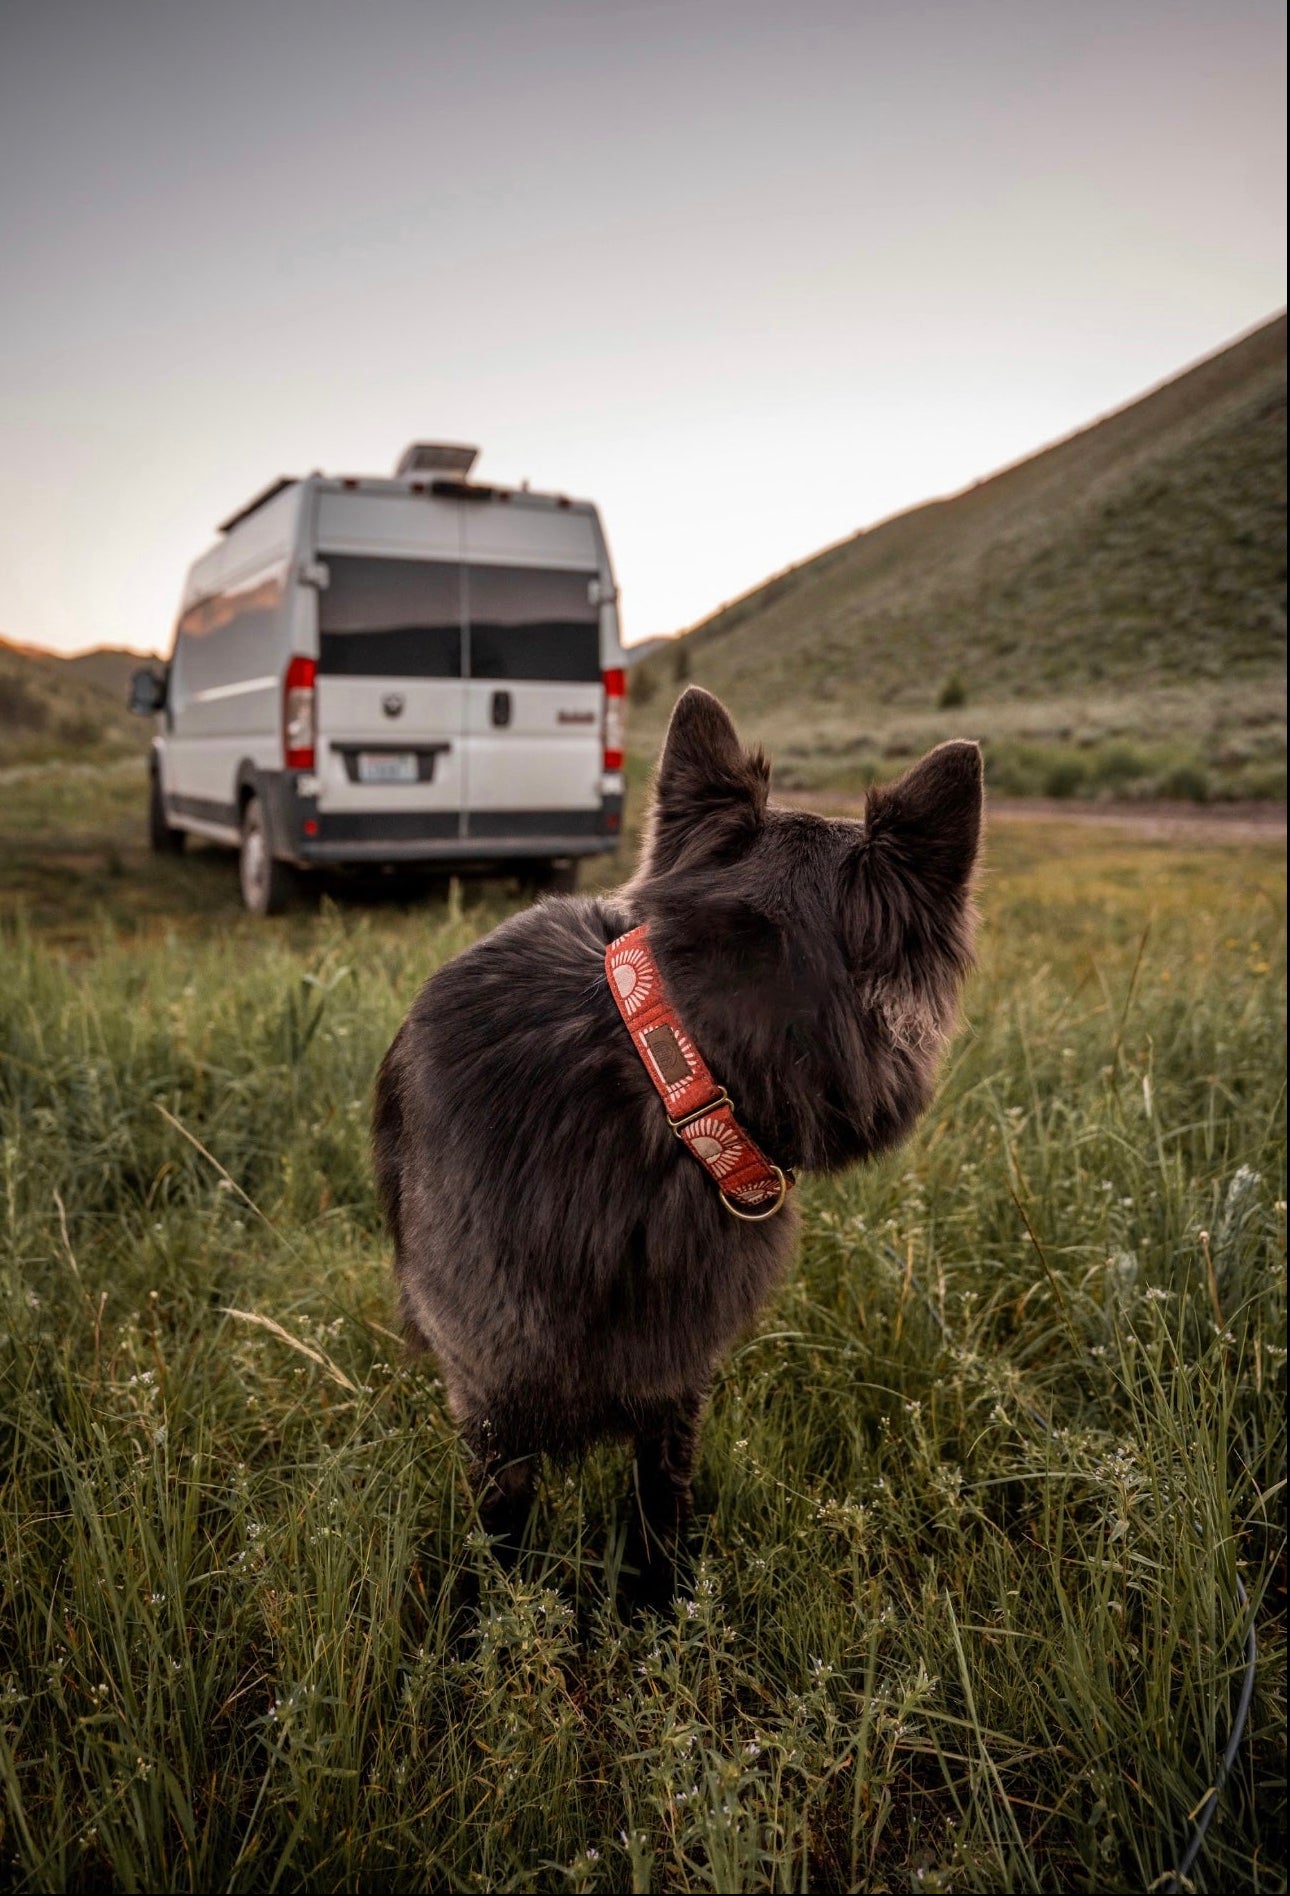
392	704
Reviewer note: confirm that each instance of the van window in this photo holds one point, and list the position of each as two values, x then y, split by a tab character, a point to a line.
382	618
530	622
223	639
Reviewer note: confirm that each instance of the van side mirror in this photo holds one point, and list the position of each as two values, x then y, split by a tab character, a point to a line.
147	693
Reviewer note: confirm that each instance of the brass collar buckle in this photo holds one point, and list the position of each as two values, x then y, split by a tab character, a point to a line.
719	1100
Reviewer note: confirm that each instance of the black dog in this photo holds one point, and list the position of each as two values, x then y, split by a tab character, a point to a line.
576	1272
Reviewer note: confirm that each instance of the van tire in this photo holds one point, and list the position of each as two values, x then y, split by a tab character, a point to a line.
267	884
163	840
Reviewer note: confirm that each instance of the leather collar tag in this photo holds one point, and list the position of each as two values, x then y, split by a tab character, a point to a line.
699	1111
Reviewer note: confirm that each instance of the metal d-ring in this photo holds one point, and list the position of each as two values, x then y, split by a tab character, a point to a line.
758	1217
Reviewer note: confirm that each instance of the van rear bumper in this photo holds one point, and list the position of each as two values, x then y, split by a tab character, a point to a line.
305	834
455	849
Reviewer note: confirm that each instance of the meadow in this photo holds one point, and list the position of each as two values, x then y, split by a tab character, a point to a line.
975	1498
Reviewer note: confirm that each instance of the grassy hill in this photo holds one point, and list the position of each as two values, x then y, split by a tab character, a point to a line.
1109	614
109	667
50	706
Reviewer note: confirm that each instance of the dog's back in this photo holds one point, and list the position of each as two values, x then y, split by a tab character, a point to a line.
553	1243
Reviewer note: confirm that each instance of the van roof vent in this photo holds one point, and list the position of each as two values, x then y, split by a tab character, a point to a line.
437	457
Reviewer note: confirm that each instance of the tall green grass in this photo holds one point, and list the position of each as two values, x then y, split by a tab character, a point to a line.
975	1497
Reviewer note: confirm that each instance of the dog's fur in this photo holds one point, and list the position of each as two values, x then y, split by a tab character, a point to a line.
572	1267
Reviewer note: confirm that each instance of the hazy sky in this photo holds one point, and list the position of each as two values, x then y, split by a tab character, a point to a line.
749	275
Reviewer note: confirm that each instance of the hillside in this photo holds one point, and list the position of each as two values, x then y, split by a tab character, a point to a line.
52	706
109	667
1125	586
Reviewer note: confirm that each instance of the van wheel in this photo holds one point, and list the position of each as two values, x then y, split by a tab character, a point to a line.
162	839
267	884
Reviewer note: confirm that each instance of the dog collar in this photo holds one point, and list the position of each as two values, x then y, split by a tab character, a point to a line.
700	1112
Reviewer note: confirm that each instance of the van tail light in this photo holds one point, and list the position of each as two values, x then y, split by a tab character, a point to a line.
298	713
615	683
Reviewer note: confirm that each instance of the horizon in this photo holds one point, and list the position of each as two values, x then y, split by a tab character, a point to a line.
753	286
870	526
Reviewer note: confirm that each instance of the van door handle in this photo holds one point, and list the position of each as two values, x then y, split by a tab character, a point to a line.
501	708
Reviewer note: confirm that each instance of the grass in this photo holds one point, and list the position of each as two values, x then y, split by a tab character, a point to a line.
1200	743
975	1497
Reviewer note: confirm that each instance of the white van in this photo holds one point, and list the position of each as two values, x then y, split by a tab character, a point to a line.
415	670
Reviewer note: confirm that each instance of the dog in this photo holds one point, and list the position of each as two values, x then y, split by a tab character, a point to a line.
577	1274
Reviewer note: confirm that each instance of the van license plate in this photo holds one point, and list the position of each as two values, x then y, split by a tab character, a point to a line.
387	766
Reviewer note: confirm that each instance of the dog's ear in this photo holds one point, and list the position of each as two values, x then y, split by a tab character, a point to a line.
927	825
709	792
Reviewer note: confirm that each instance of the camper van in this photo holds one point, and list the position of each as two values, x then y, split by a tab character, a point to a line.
416	670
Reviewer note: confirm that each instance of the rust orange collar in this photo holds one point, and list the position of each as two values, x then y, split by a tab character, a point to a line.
700	1112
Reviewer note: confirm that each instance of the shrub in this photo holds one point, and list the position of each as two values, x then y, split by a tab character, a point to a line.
953	693
1118	765
1187	781
644	682
1266	782
20	705
1065	778
80	732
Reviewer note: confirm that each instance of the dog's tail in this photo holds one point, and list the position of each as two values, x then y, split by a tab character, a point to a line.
387	1136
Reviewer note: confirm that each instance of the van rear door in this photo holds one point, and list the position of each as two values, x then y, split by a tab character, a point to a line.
534	698
391	697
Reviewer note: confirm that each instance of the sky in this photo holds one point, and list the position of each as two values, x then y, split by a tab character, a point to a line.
750	276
